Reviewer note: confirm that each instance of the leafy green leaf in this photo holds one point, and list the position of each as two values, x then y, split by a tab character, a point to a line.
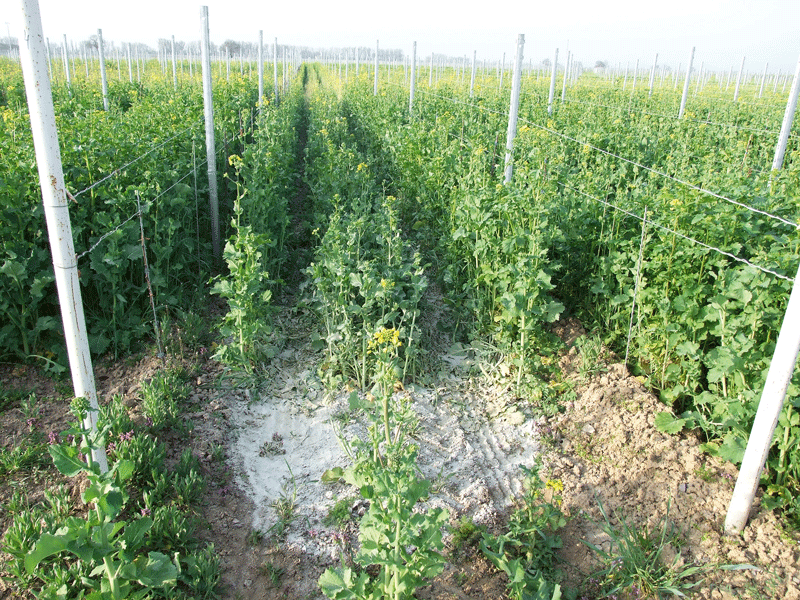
668	423
47	545
156	570
332	475
66	459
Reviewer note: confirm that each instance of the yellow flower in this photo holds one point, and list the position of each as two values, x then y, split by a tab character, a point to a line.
361	167
386	337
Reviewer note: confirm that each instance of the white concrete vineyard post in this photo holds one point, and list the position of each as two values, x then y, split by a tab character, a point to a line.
377	44
73	58
635	73
738	81
66	62
275	67
130	64
103	77
514	109
763	79
653	75
260	66
472	77
211	154
625	81
686	84
699	79
552	84
788	119
174	66
49	59
413	80
56	210
566	74
769	409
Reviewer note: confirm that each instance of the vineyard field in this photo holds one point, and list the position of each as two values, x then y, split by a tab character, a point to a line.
403	377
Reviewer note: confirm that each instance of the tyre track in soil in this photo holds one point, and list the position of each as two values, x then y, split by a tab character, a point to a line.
471	455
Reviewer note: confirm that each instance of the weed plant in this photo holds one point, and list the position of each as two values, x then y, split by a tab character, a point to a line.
340	514
465	536
526	553
134	535
161	399
635	565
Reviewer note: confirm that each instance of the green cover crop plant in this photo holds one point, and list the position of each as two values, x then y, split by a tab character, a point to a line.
405	544
109	546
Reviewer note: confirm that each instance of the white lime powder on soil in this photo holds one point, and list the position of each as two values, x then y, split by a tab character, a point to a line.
472	440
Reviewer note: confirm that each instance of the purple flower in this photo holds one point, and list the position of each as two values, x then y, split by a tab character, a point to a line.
126	437
146	512
31	422
148	422
111	447
52	437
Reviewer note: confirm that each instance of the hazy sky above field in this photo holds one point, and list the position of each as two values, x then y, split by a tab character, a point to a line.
619	32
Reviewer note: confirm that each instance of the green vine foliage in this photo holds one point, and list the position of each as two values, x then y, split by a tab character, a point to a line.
150	142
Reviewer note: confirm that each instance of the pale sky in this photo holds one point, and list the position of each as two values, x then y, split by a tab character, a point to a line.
620	32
